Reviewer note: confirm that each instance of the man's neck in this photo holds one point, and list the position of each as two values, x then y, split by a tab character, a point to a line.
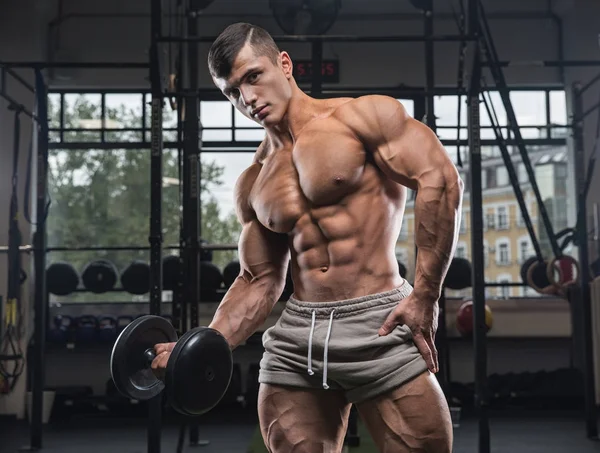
301	110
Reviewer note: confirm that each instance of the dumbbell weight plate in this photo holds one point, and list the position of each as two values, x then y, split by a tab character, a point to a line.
129	367
198	371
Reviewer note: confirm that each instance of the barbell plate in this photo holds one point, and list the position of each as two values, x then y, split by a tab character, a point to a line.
129	368
199	371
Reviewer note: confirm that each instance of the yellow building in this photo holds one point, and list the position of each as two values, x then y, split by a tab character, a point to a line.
507	243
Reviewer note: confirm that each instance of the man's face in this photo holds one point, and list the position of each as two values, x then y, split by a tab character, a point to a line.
259	89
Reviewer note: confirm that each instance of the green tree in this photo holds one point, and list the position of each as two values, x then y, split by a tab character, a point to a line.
102	197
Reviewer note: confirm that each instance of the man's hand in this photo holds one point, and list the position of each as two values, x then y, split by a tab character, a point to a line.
159	364
421	316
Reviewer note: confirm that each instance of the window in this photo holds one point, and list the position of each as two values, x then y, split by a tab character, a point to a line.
402	255
522	173
520	218
558	114
530	109
504	291
98	174
502	176
463	223
490	221
461	250
231	165
489	152
409	106
490	178
503	252
446	110
486	253
246	129
542	116
524	252
453	151
502	218
216	120
558	108
497	104
403	236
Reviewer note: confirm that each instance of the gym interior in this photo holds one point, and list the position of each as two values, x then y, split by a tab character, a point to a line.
119	158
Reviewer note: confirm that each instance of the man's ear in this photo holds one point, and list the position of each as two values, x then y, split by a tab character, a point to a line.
286	64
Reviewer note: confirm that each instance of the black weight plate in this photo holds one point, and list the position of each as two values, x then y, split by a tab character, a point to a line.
525	268
129	368
199	371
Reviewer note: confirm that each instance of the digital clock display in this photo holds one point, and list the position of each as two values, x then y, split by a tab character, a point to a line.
330	71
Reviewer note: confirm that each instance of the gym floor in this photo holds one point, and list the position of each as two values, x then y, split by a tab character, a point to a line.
512	431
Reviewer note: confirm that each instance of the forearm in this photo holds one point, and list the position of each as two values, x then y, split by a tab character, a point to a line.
438	208
245	307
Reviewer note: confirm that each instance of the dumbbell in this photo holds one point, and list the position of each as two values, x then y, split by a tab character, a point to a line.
198	371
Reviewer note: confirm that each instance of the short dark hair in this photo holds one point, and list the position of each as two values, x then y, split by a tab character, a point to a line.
231	40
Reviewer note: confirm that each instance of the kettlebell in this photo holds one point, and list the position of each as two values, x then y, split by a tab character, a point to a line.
59	333
86	330
107	329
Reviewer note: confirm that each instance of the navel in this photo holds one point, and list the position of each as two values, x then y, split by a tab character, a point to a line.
324	268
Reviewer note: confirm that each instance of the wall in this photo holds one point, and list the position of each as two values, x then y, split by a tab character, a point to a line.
581	43
19	40
24	36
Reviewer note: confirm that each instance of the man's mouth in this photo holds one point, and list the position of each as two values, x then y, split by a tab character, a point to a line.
258	112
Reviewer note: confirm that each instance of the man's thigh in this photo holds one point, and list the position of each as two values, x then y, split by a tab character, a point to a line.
411	418
302	420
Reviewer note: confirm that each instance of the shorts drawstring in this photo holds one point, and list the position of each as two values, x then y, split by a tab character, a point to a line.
325	352
310	337
325	386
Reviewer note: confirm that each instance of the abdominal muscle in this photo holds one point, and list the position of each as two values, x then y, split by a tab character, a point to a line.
347	250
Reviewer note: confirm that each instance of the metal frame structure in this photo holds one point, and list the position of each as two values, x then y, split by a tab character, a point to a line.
37	363
477	257
584	293
188	138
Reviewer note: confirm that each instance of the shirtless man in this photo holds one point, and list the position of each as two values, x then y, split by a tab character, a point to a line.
327	190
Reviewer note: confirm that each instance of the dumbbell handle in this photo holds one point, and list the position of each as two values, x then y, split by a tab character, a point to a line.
149	355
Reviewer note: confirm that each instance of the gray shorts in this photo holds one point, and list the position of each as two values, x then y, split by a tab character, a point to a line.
336	345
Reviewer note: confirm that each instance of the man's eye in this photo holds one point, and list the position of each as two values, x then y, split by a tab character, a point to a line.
253	77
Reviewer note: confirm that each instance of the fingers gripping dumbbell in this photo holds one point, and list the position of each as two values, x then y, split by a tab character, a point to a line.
198	370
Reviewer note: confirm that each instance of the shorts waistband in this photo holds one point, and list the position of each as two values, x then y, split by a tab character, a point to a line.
348	306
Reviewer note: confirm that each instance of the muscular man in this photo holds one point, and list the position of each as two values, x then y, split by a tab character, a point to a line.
326	192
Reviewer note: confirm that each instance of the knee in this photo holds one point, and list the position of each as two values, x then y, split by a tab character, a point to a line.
438	437
285	438
289	442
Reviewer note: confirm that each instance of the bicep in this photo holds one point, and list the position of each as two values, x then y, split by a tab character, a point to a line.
262	253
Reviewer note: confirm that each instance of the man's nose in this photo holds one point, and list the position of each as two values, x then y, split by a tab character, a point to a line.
248	96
